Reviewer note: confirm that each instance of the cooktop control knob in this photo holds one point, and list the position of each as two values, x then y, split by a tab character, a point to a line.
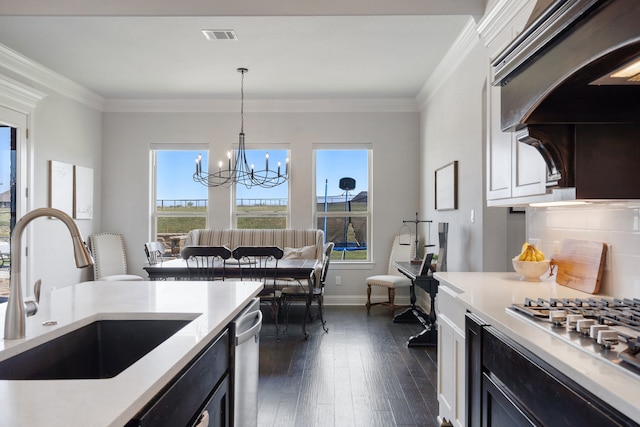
557	316
593	331
583	325
572	320
607	338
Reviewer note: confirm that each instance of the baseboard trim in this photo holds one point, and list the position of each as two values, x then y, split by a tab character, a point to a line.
355	300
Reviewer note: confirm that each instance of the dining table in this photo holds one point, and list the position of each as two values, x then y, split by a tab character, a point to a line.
297	269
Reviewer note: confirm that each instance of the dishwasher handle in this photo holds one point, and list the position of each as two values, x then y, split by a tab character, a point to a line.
252	331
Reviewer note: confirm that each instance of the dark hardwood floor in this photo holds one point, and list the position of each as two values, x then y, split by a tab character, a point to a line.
361	373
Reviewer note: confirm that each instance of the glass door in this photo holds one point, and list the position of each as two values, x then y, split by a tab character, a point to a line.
7	202
13	179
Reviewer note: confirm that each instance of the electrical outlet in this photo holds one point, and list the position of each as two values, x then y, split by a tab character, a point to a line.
338	280
555	247
607	259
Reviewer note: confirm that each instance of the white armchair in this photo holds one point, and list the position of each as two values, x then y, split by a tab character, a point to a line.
109	257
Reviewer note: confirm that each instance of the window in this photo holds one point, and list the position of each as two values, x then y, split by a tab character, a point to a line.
181	204
343	210
258	207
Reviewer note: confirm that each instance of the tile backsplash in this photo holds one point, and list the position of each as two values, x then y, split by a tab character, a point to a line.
617	224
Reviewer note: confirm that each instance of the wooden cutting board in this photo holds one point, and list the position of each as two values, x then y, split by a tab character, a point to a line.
580	264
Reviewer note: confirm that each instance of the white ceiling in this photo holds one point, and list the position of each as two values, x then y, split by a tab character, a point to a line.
119	50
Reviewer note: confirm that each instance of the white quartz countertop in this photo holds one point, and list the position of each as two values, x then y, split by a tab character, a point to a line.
114	401
489	294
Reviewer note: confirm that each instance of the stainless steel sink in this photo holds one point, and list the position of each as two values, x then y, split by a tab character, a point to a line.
99	350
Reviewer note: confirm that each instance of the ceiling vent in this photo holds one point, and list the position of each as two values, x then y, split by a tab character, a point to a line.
220	34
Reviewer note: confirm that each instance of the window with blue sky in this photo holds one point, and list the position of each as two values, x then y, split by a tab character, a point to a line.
341	190
258	207
342	201
181	204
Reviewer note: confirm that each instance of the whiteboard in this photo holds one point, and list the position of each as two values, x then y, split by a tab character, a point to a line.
61	186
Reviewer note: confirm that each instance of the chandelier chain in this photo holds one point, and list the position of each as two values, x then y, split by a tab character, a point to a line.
242	71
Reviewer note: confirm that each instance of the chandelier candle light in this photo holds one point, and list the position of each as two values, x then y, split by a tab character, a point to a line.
241	172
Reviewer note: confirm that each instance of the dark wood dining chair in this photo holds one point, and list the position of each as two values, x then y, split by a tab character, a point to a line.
260	263
155	252
203	260
301	292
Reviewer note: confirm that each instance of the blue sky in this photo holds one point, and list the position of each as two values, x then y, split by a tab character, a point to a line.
175	176
177	167
177	182
336	164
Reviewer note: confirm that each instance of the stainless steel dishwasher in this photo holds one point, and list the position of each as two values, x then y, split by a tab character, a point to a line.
246	335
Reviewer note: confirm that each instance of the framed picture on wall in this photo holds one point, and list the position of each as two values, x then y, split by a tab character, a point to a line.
82	192
446	183
61	186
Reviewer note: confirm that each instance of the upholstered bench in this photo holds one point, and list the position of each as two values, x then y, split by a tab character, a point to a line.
301	243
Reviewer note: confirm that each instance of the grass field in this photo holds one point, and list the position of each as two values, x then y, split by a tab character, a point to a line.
335	226
5	218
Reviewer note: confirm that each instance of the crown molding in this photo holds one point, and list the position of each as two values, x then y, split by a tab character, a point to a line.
498	18
400	105
18	96
36	73
464	43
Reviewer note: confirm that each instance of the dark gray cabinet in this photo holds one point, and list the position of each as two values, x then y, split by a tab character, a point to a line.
203	385
509	385
217	408
473	349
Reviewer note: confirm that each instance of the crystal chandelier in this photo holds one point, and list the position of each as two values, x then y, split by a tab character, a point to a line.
238	170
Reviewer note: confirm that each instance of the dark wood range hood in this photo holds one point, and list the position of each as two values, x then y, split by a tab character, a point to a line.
558	96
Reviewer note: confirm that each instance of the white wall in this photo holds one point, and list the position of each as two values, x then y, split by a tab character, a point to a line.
394	137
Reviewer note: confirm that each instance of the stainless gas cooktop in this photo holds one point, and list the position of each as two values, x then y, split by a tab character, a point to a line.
607	328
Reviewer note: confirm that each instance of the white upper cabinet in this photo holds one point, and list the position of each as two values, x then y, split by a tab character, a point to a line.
513	169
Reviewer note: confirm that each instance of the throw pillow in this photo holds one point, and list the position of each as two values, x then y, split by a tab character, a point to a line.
291	253
305	252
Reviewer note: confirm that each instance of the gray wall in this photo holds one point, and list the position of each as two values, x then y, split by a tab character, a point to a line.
452	129
67	131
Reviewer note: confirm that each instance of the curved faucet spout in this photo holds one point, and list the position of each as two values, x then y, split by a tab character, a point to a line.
15	318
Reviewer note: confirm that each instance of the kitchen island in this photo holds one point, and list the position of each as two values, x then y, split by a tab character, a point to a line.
488	296
208	306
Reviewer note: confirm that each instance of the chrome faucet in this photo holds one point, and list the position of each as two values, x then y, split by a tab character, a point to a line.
17	309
